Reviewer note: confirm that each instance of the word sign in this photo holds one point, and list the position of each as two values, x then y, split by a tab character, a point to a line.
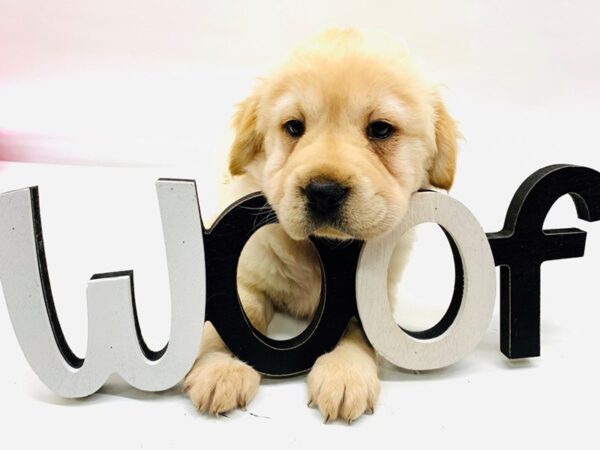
202	266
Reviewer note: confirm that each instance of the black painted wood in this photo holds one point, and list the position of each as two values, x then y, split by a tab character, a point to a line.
223	245
61	342
522	246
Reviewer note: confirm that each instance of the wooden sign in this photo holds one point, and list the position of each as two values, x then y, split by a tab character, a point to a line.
202	267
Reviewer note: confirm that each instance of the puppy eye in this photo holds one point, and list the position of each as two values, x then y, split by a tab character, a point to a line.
379	130
295	128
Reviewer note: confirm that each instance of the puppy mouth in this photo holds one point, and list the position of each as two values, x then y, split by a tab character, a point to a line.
332	232
338	227
304	224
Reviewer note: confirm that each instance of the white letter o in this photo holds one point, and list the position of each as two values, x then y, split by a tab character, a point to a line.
479	289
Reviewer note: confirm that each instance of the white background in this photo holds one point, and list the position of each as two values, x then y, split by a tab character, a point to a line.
108	96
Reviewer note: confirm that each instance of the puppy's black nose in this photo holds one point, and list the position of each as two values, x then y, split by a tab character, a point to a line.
324	197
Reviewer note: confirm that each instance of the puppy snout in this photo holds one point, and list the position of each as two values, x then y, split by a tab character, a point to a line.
324	197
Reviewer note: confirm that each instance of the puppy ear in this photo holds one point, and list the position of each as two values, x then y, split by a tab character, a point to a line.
248	141
441	173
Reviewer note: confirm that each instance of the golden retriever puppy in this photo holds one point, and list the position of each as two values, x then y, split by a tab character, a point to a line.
338	139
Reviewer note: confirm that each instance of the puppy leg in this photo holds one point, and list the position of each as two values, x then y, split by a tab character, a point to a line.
218	381
344	383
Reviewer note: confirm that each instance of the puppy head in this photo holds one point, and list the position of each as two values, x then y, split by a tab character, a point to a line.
342	135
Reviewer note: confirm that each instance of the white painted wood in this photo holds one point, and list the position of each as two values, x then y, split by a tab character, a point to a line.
112	346
479	294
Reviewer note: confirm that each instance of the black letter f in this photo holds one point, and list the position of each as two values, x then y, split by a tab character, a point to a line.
522	246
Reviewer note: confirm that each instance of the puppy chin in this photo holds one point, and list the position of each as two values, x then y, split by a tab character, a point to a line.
301	230
331	233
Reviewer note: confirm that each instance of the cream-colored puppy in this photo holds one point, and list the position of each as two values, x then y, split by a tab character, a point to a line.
338	139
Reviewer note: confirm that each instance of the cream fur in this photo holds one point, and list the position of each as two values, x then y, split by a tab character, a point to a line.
336	83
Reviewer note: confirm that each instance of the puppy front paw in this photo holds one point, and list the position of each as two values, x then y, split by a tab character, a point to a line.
218	382
343	385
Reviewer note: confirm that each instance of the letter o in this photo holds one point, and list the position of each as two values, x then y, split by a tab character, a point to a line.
463	325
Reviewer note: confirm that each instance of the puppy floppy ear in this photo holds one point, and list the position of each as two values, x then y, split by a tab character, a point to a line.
248	141
441	173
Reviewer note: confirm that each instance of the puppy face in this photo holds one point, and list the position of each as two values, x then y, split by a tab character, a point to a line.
343	134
